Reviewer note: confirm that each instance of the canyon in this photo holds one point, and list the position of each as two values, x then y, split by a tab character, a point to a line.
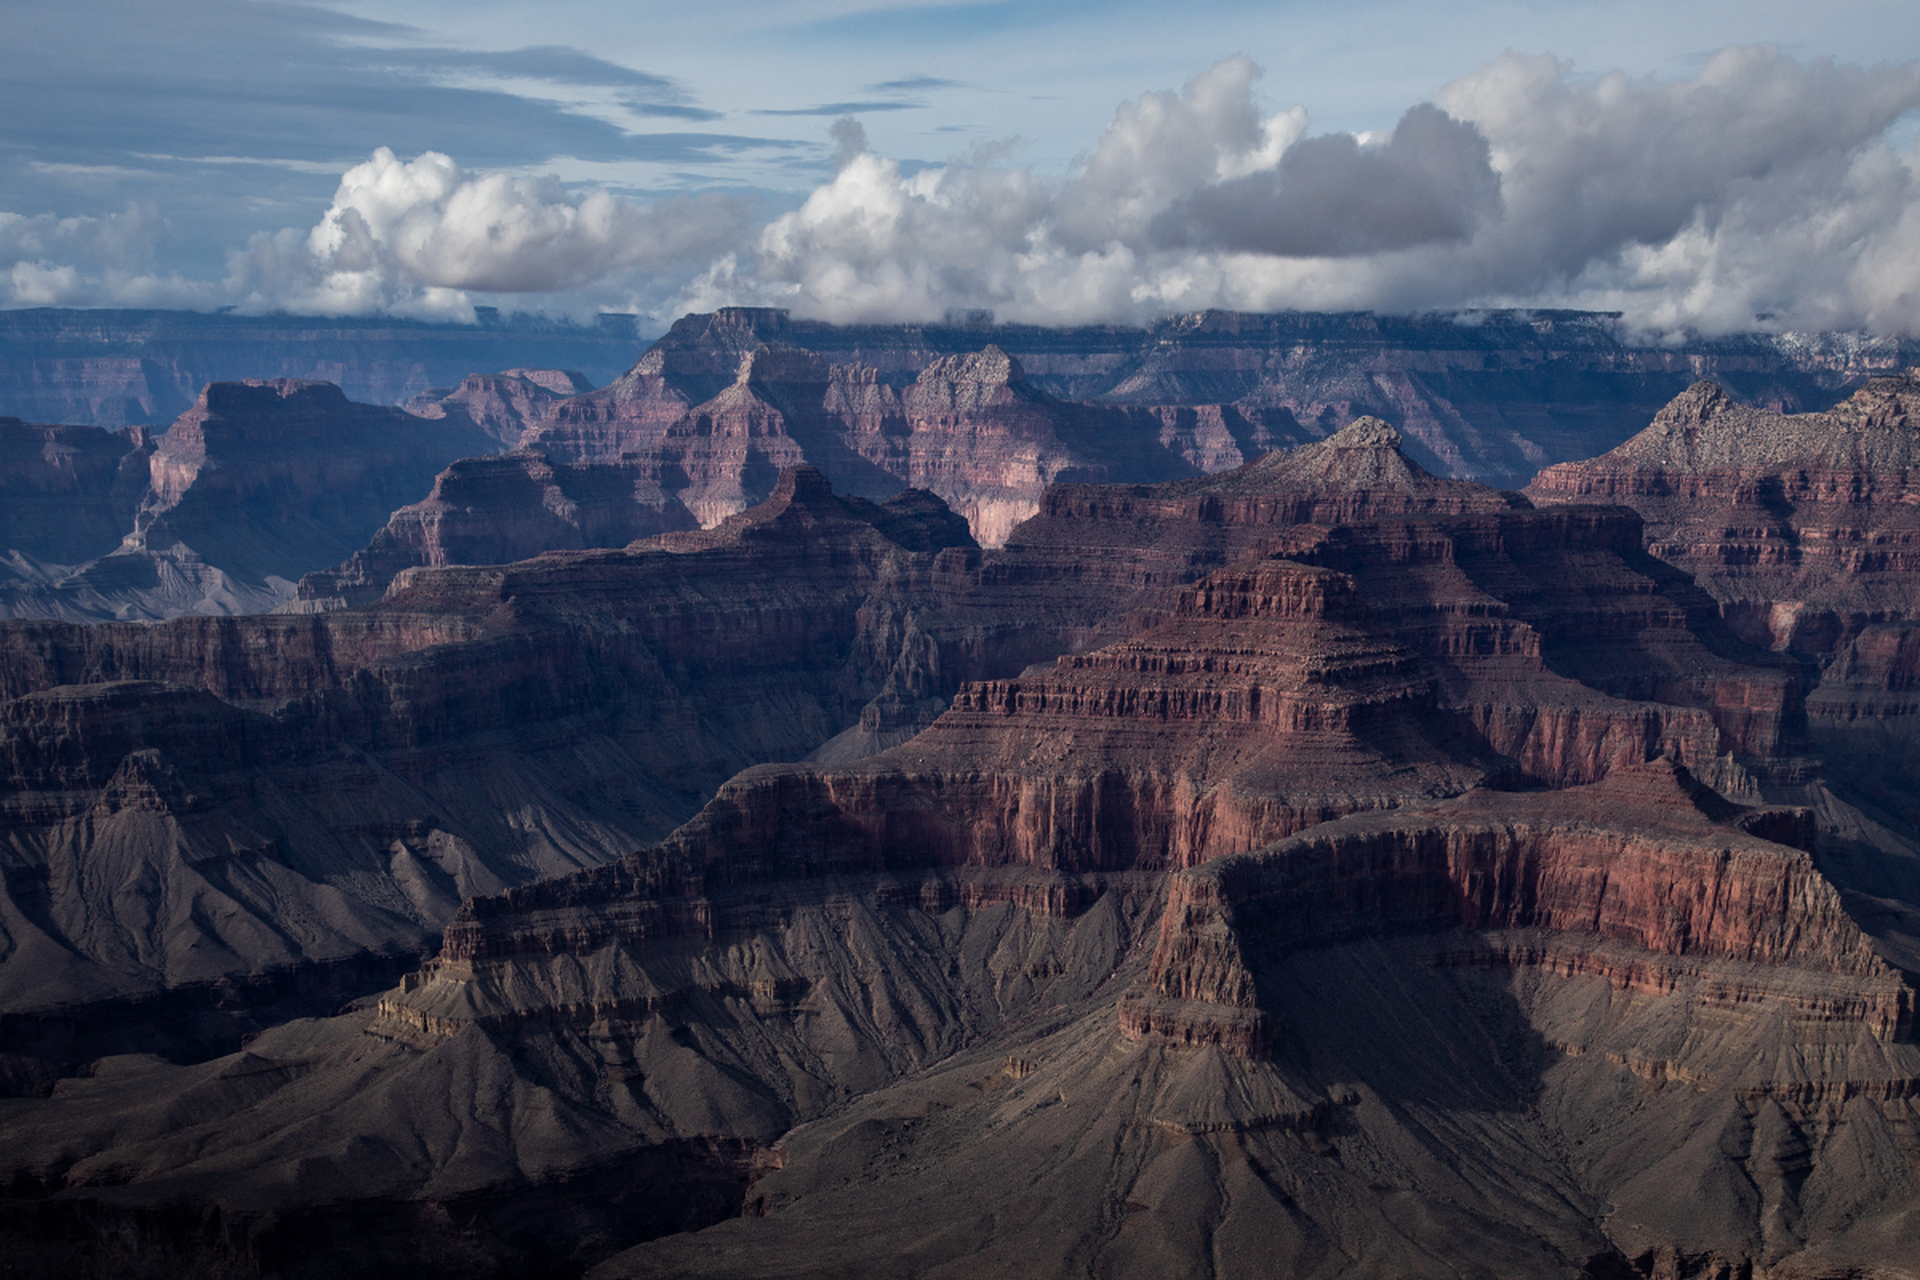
700	426
1195	828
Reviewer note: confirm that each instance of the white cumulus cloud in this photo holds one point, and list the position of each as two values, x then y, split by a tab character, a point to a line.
416	236
82	261
1759	190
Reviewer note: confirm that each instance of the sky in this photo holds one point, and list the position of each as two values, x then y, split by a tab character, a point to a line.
1694	164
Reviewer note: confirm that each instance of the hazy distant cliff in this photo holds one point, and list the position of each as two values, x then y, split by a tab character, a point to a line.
1492	395
112	368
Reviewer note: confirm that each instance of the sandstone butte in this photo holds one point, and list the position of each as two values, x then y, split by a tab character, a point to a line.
695	433
1330	869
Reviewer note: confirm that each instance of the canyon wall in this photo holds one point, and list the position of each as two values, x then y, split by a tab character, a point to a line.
115	368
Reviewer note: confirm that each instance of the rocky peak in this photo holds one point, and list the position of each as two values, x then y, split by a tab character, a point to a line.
1705	429
1366	433
970	382
507	405
562	382
803	484
1363	468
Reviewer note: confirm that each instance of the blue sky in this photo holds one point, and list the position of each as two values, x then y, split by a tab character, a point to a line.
1038	158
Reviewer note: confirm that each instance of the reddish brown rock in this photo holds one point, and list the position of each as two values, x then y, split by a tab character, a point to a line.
1190	949
1804	527
174	790
499	510
970	428
503	406
1648	858
257	484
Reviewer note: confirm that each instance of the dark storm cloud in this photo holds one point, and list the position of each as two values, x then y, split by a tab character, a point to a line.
1431	182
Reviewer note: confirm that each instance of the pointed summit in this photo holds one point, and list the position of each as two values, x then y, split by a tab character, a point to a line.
1358	472
978	380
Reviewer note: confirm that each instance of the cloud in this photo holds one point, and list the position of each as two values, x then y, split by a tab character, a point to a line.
414	237
1760	187
558	64
1430	182
913	84
90	261
840	108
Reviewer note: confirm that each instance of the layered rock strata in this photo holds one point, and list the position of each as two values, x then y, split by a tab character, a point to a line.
498	510
1803	526
1487	395
1195	948
257	484
115	368
1682	890
1803	529
504	406
280	790
970	428
1563	645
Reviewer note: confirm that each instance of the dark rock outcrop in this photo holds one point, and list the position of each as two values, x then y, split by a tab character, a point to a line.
203	799
67	494
257	484
498	510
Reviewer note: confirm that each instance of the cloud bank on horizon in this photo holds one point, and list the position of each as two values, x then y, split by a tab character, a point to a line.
1760	192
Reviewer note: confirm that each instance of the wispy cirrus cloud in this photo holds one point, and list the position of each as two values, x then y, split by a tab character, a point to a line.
914	84
841	108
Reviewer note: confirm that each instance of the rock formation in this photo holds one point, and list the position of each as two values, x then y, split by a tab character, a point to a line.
504	406
219	801
257	484
1803	528
67	494
1380	875
1489	395
1800	524
498	510
970	428
116	368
